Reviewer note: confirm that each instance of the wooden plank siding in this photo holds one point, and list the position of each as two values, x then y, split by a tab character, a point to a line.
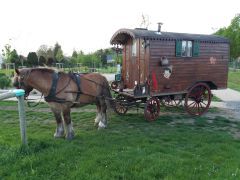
209	64
188	70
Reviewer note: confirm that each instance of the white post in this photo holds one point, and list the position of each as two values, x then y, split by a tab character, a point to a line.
22	118
19	93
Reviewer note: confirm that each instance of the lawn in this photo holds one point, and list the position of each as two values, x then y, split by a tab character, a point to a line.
176	146
234	80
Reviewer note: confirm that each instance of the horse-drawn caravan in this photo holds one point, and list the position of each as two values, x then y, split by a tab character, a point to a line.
169	67
157	66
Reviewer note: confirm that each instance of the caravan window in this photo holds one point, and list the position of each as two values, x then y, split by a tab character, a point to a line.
186	48
134	48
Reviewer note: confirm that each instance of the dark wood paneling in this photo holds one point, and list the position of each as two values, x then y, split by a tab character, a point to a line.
186	71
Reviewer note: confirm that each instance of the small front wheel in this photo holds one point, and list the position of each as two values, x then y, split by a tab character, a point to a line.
120	105
152	109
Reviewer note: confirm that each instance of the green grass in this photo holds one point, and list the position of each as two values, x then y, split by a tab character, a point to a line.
234	80
176	146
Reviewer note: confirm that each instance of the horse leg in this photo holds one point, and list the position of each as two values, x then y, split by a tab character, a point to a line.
103	121
68	123
99	115
60	128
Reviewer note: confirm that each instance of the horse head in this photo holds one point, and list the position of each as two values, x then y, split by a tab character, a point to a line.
20	80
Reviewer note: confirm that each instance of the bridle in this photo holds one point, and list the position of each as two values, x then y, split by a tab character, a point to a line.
21	84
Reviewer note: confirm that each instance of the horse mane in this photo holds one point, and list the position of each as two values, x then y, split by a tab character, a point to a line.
46	70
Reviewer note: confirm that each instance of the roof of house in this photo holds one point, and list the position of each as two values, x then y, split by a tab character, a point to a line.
122	35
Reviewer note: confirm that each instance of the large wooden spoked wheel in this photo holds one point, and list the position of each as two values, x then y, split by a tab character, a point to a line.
198	99
152	109
169	102
120	105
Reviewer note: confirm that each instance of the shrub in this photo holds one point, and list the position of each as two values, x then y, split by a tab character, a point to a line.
5	81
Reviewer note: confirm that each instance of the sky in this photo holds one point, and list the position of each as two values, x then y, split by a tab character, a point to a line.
88	25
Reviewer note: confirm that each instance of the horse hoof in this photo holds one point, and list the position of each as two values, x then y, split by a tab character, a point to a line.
101	125
100	128
70	136
56	135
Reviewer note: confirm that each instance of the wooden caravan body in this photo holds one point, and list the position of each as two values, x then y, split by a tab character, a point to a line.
172	62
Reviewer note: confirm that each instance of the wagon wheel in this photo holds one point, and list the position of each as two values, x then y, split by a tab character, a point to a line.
152	109
198	99
114	85
168	102
120	105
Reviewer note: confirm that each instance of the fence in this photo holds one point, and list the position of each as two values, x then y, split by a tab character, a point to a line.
19	93
234	64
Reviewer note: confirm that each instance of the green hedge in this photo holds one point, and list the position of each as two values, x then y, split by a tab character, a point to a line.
5	81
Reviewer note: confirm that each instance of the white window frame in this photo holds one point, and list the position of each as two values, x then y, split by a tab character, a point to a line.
187	47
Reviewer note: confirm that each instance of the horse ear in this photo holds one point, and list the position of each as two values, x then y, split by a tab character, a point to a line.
17	71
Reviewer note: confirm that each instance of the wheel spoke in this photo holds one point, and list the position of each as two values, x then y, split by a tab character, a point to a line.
152	108
200	94
198	108
204	103
191	104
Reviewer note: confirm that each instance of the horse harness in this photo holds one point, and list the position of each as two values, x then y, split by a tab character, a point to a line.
51	97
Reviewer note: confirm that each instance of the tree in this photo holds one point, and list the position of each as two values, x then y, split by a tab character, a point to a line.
145	21
50	54
43	51
42	61
6	52
32	59
9	55
23	60
74	54
232	32
73	59
59	56
58	53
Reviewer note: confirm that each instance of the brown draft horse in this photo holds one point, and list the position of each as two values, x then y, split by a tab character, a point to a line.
94	88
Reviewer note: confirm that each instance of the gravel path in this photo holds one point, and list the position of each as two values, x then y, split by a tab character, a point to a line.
230	100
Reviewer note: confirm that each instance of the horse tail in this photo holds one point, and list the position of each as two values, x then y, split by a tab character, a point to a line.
107	94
